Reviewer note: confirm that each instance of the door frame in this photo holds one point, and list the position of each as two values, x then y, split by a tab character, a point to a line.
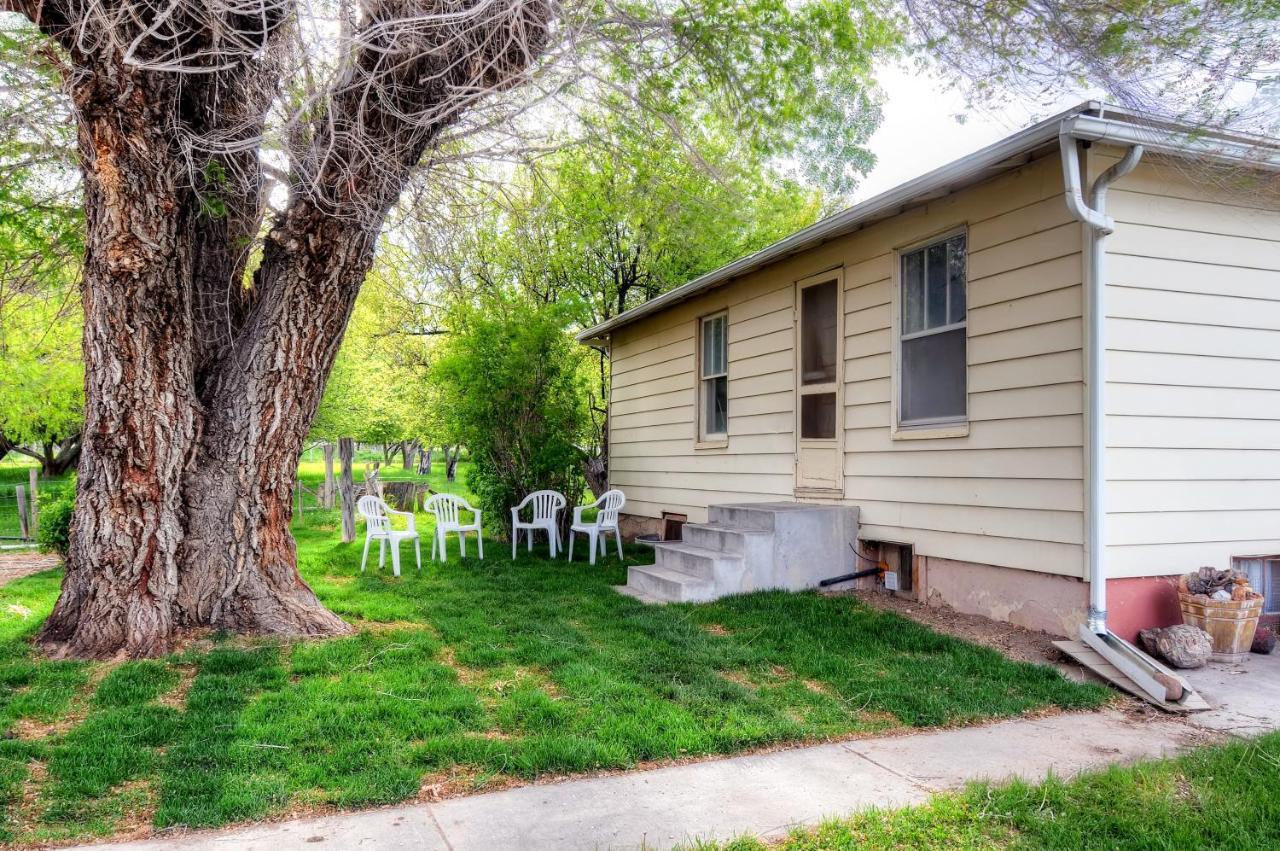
837	442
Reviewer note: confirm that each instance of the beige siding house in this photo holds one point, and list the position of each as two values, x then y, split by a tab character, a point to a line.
925	356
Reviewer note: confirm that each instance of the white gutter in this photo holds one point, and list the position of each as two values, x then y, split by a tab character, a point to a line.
1098	226
1155	679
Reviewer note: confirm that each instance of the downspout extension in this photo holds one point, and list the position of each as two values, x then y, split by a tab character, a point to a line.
1100	225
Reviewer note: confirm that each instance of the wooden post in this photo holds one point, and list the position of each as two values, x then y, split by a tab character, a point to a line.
347	490
327	496
24	530
34	477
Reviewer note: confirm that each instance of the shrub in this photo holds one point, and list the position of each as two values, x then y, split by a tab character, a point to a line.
510	387
56	508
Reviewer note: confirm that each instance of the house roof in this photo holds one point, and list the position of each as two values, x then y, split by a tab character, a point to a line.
1095	120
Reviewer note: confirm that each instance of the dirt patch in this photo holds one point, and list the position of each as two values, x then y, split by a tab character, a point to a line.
176	698
718	630
738	677
1016	642
817	687
24	563
461	780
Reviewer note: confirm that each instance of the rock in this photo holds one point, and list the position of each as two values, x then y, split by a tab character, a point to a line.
1264	640
1220	595
1183	646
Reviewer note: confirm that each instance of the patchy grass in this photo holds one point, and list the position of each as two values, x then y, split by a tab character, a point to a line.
1215	797
466	676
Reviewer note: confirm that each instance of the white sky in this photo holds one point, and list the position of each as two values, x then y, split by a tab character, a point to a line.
920	130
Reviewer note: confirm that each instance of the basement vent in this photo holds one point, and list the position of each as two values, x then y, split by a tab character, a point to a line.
673	526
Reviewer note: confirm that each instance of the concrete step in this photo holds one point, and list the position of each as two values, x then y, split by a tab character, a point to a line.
713	565
664	583
725	539
752	517
637	594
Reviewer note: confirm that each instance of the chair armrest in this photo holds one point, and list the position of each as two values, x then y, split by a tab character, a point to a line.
577	513
476	512
409	518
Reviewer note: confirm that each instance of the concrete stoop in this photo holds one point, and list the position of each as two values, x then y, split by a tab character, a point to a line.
749	547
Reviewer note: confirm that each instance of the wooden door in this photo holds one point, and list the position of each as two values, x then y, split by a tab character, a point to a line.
819	379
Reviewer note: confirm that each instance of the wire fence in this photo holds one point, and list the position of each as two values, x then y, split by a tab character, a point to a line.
18	515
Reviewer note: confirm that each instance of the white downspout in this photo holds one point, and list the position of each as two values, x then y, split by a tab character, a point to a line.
1099	225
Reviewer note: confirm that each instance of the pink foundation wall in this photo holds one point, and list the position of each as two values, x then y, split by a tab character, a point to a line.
1141	603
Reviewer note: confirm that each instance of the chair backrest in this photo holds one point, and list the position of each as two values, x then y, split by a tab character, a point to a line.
374	512
610	504
445	507
545	504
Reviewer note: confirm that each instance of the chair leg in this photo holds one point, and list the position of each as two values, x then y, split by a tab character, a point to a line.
515	539
617	539
365	557
444	547
417	552
594	540
462	543
395	558
480	543
571	535
382	553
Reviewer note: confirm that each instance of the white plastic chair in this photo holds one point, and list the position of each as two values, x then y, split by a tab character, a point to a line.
446	507
546	506
609	504
377	523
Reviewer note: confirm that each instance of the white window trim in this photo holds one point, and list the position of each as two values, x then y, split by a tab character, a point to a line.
710	439
939	427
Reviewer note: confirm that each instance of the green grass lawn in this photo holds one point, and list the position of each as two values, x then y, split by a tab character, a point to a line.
1225	796
467	676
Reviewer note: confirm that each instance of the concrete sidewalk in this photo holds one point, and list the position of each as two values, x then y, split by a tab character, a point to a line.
767	794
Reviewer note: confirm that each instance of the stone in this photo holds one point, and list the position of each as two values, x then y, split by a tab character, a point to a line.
1264	640
1183	646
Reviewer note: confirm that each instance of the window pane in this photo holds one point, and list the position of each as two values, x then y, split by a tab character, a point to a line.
714	344
818	334
933	376
956	278
913	292
935	286
715	393
818	416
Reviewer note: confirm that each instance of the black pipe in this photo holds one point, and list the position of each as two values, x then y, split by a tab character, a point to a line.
871	571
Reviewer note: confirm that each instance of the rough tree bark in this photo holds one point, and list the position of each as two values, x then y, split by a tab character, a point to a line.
328	475
200	390
347	489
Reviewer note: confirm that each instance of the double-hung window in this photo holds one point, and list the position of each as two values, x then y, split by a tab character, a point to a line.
932	386
713	377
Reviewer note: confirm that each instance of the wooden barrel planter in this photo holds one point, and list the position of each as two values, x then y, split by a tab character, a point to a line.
1230	623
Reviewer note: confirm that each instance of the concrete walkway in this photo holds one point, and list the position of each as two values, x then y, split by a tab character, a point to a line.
767	794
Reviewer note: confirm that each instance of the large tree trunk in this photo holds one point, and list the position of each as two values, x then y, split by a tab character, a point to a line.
200	390
140	403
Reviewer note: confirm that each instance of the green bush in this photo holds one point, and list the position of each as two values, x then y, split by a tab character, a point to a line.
510	386
56	508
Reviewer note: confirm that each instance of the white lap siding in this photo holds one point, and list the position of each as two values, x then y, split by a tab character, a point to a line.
1193	369
1010	493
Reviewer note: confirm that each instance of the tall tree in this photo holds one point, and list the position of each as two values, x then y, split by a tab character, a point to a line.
209	334
602	225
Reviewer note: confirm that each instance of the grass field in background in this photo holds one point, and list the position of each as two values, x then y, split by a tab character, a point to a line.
471	675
